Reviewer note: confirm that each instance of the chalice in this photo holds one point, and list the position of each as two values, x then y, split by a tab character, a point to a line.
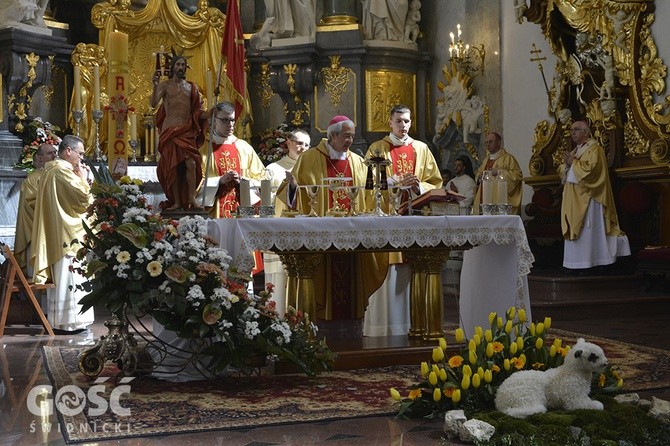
352	194
394	200
312	192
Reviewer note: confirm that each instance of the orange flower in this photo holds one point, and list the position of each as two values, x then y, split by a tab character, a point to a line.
455	361
414	394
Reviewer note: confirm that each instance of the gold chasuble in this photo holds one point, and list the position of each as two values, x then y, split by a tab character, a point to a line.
506	162
342	287
26	212
412	158
591	171
59	212
239	157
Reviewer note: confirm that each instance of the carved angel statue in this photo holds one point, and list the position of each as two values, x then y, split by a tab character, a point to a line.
619	20
448	107
412	21
31	12
608	82
472	111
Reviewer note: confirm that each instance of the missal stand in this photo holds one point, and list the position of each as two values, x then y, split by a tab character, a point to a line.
14	281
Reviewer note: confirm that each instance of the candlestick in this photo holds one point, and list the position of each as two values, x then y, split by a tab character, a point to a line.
97	116
266	192
133	126
133	146
96	87
77	88
245	193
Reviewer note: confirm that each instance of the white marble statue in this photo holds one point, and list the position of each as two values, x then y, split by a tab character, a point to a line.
384	19
520	8
412	21
263	38
472	111
15	12
293	18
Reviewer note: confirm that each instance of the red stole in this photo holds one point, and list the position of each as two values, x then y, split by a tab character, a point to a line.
339	168
226	157
489	164
403	159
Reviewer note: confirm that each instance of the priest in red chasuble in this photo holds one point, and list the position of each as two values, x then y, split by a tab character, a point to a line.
342	285
232	159
413	165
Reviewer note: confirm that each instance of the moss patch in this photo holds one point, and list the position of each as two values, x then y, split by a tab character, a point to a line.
617	425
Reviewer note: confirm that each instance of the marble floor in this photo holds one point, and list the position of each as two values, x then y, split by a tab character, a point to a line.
22	368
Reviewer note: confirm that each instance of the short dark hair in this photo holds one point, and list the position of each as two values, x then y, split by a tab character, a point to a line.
400	108
68	142
225	106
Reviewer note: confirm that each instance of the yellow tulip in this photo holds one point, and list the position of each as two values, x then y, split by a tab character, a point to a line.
476	381
552	351
492	317
488	335
460	335
522	315
437	394
435	369
465	382
499	323
532	329
456	396
432	378
480	372
488	376
506	364
538	343
539	328
443	375
547	322
619	384
395	394
479	330
472	345
424	369
558	343
477	339
511	312
513	348
489	350
472	357
519	343
467	370
438	354
508	327
443	343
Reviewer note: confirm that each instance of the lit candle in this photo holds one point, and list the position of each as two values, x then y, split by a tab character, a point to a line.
96	87
210	88
77	88
245	193
118	46
458	27
451	49
133	127
452	38
266	192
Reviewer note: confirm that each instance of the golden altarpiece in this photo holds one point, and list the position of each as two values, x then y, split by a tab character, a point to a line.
607	72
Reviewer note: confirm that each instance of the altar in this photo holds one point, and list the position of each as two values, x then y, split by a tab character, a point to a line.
495	265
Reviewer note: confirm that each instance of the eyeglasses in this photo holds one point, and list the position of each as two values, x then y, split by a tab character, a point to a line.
299	143
227	120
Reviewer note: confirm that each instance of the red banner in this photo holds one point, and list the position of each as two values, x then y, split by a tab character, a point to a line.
233	50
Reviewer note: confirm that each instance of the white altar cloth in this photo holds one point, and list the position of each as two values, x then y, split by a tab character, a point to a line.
494	272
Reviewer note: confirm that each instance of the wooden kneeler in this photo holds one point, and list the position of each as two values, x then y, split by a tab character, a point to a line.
14	281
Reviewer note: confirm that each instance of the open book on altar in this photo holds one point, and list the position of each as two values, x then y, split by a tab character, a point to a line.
210	188
438	195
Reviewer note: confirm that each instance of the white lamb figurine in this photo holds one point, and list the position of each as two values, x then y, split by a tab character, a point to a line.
567	387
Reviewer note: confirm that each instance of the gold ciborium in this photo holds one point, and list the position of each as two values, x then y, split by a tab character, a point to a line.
312	191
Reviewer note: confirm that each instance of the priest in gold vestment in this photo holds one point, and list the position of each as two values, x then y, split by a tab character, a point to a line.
499	159
412	165
360	278
60	208
589	219
24	220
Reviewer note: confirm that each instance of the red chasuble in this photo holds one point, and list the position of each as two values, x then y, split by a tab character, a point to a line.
403	158
226	157
339	168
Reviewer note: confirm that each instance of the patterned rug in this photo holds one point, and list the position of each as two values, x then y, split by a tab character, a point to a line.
161	408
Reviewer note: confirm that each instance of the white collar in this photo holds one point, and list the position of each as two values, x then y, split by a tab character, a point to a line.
495	156
334	154
399	142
